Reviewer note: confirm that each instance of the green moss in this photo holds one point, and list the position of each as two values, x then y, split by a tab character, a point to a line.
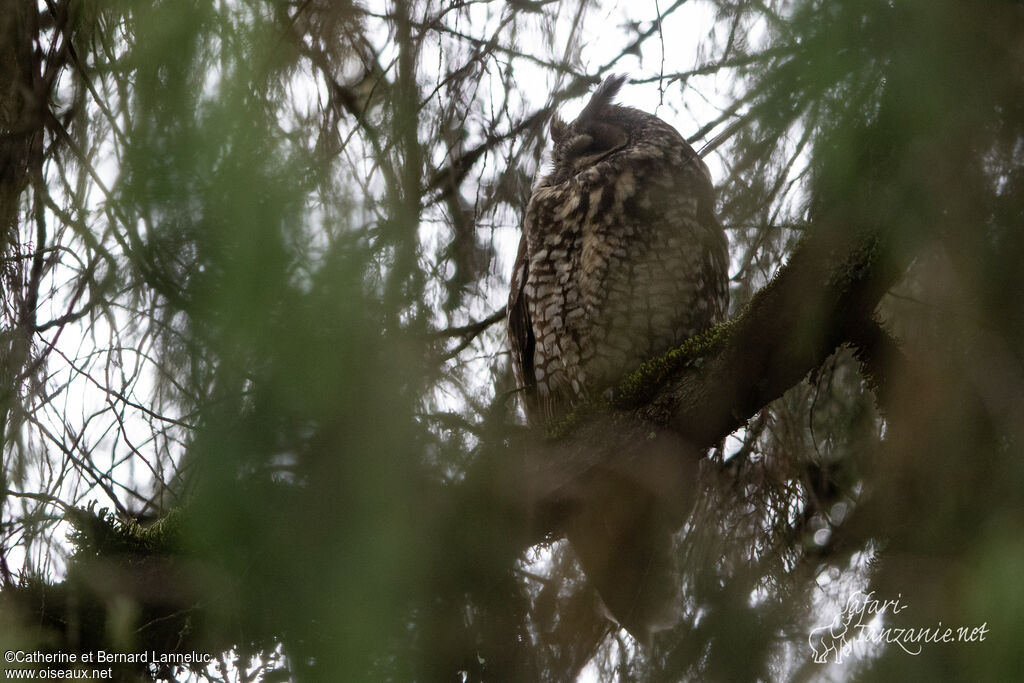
856	265
558	428
645	380
640	384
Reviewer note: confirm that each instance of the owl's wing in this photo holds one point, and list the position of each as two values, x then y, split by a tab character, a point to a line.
716	266
520	329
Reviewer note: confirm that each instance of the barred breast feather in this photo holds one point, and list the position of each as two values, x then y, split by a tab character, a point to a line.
621	258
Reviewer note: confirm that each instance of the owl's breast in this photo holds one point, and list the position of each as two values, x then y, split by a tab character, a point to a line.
617	265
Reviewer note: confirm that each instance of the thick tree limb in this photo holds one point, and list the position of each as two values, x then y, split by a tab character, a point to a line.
668	413
815	304
622	476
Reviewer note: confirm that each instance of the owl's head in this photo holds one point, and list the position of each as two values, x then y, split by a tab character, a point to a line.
601	129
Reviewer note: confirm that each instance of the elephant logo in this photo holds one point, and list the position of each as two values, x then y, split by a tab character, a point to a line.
833	638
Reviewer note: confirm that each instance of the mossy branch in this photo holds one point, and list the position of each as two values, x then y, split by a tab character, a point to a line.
712	383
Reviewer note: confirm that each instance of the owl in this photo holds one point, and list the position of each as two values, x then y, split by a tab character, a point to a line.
621	258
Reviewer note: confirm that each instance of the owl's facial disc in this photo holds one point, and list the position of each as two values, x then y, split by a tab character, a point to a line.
586	145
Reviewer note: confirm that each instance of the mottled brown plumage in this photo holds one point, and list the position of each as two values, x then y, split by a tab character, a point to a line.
621	258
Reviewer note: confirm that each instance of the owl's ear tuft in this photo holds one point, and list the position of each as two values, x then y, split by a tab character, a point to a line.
603	96
558	129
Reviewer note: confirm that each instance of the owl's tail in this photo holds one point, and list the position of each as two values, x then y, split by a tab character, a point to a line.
625	552
621	530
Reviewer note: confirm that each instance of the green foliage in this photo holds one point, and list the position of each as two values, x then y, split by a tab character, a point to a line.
102	534
244	250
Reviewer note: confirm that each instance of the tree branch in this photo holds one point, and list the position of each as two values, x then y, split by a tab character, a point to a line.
681	404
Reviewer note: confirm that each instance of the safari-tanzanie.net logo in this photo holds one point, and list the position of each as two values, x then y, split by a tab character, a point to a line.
865	619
